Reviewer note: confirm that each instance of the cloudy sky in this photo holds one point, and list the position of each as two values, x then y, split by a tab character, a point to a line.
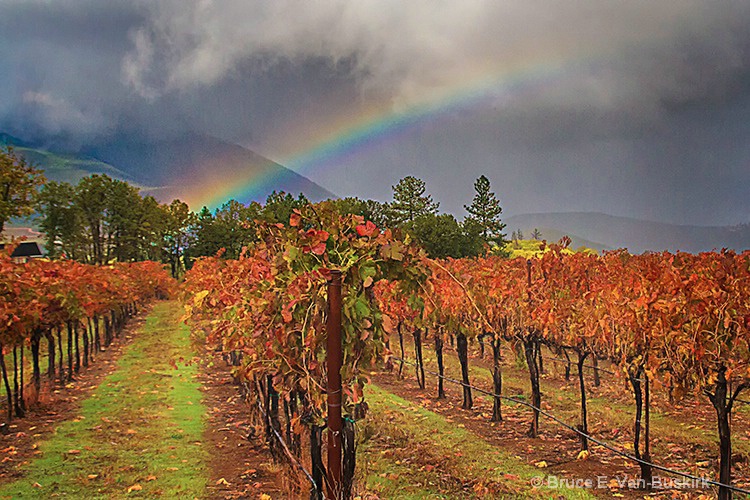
631	107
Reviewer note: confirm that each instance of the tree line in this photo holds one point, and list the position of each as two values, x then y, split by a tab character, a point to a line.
101	219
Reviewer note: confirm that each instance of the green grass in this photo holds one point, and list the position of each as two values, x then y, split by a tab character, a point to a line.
139	434
565	403
69	168
28	369
411	452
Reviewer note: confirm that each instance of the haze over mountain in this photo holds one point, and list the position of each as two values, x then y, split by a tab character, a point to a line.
201	169
610	232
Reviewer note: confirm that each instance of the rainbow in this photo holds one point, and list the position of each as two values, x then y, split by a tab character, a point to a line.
375	127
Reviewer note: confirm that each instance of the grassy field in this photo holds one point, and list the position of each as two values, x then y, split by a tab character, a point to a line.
408	451
139	434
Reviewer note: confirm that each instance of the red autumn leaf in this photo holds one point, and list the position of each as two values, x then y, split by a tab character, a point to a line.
294	219
320	248
367	229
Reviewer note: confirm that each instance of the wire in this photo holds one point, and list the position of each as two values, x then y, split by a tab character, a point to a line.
581	433
604	370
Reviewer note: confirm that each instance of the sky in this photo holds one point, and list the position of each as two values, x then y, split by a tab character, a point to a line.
634	108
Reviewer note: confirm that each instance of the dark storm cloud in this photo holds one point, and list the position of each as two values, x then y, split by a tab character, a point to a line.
644	102
61	67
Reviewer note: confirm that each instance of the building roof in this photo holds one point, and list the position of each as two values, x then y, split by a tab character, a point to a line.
25	249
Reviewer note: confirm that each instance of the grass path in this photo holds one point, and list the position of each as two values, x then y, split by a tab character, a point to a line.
410	452
683	425
139	433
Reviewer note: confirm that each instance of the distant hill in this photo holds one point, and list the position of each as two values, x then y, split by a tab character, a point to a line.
189	167
636	235
192	164
64	167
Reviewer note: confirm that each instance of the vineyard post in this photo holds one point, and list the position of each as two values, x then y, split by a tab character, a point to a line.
333	360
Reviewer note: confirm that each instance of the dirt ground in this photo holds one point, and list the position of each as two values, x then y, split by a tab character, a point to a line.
241	467
57	404
558	447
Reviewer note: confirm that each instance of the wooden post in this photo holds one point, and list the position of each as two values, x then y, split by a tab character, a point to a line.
334	358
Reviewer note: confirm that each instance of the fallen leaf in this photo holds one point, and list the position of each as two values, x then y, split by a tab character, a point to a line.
583	455
541	465
223	482
151	478
135	487
93	476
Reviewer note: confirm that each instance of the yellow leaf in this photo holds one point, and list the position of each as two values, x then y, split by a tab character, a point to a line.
223	482
135	487
541	465
583	455
198	298
93	476
263	496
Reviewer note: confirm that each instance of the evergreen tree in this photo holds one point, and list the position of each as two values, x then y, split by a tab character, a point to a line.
177	235
91	198
60	220
371	210
410	202
536	234
279	206
234	224
442	236
485	211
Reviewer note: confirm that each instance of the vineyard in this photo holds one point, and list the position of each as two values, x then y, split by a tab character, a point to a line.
671	327
572	360
65	309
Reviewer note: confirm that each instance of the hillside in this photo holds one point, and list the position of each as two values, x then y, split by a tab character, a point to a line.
64	167
635	235
192	168
188	167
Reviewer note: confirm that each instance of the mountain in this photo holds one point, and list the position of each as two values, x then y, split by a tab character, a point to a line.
197	168
194	168
64	167
636	235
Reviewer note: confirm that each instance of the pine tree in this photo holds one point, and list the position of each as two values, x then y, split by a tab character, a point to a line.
485	211
410	202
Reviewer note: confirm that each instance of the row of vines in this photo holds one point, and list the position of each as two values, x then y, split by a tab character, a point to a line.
677	323
50	307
